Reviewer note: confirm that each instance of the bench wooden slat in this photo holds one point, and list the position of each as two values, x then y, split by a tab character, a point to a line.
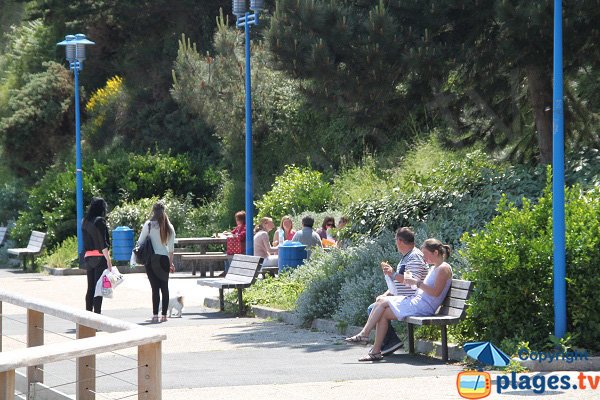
245	258
460	294
460	284
243	271
223	283
440	320
451	311
455	303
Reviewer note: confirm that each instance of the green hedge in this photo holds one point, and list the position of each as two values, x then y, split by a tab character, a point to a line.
123	177
187	219
511	263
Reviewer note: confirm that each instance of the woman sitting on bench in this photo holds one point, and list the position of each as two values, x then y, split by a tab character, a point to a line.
431	292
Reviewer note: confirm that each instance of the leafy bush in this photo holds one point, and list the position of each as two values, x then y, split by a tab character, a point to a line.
63	256
51	207
444	202
280	293
134	214
296	190
38	124
187	220
511	263
51	203
106	108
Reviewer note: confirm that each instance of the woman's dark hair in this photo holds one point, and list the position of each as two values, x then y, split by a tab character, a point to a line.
434	244
159	215
96	209
327	221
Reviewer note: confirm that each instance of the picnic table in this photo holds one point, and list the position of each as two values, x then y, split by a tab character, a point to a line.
202	254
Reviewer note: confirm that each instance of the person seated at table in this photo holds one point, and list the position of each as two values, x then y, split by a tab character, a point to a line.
328	223
262	245
307	236
239	232
287	227
431	292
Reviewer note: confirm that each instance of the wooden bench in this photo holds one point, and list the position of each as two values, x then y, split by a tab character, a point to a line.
204	257
2	235
35	246
451	312
241	274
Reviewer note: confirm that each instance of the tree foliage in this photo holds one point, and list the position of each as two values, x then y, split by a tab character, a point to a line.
40	120
467	62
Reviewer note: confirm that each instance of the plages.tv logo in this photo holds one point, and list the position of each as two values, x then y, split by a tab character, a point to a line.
478	384
474	384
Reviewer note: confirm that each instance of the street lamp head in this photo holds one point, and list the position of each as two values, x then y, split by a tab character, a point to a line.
239	7
75	47
257	5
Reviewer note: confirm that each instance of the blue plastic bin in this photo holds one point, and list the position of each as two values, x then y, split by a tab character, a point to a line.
122	243
291	255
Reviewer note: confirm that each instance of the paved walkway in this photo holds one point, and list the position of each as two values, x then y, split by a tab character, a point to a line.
210	355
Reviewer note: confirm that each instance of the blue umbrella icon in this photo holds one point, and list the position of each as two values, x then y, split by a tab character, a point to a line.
487	353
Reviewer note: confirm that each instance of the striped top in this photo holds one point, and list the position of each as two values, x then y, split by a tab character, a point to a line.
413	262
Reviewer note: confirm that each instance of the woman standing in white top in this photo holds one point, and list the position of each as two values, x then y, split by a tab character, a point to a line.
162	235
262	246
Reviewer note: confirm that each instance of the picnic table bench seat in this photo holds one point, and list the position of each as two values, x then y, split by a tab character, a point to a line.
242	273
210	256
451	312
34	247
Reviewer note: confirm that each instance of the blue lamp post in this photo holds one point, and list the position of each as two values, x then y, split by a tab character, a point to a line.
243	20
75	54
558	182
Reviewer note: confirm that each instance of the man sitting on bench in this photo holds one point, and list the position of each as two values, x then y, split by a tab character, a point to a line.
430	295
412	261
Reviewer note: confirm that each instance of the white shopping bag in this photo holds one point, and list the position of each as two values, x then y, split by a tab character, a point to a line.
115	277
104	287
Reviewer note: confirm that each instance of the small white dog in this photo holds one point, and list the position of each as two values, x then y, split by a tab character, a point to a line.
175	303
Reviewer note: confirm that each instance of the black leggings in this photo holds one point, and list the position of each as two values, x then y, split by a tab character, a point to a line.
157	284
94	303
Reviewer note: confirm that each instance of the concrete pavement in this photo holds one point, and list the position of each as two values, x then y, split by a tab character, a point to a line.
210	355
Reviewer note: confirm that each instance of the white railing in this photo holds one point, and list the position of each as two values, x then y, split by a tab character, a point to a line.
121	335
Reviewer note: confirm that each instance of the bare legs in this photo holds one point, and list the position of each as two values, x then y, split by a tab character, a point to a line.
378	319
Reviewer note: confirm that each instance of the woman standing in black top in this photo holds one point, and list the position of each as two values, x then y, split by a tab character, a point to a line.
96	243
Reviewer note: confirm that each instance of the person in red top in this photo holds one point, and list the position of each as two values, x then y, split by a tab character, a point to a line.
236	239
240	229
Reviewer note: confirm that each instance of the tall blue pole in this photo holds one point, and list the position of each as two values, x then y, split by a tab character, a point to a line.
78	167
249	186
558	182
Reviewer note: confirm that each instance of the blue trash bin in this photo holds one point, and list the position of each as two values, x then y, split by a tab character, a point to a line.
291	255
122	243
